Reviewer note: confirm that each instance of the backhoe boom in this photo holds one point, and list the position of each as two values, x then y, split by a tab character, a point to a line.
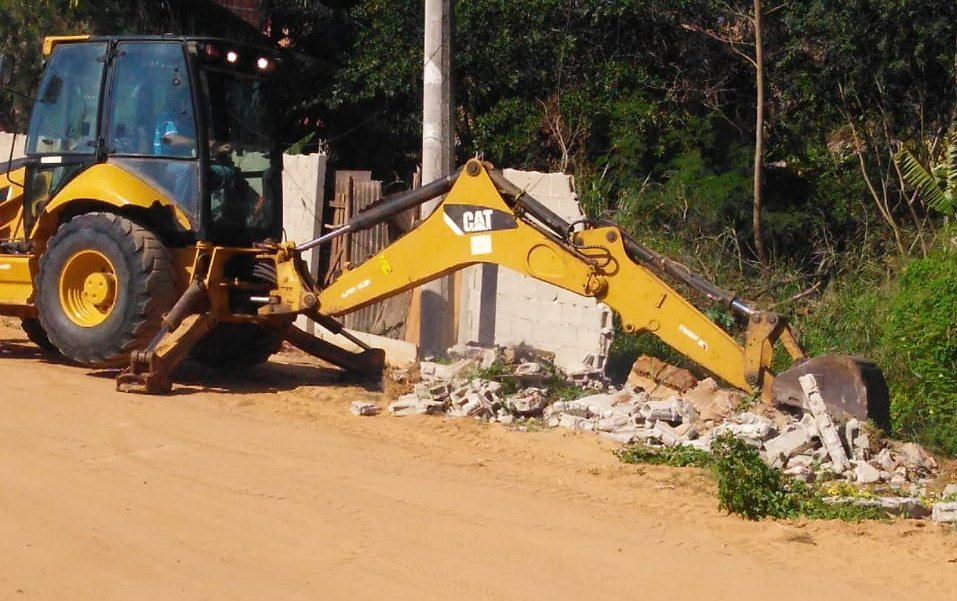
484	218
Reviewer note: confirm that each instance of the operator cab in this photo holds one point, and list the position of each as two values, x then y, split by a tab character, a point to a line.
188	116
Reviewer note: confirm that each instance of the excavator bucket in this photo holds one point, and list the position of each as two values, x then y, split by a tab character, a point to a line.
850	387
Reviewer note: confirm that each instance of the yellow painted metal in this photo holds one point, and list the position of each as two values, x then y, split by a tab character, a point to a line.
11	203
87	288
50	41
109	184
16	284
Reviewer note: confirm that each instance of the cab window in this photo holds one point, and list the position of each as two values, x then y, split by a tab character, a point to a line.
66	115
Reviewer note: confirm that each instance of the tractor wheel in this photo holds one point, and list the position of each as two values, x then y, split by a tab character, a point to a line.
36	334
103	286
236	346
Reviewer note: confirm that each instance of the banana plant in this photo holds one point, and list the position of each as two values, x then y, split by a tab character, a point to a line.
936	185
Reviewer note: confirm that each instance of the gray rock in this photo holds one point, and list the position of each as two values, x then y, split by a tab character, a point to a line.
363	408
944	512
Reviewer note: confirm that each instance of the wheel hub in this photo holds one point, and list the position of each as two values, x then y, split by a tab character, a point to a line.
88	288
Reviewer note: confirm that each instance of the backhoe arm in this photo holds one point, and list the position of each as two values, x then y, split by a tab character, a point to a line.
484	218
475	224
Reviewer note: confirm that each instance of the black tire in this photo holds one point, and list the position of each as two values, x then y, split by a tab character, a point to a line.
235	346
132	268
36	334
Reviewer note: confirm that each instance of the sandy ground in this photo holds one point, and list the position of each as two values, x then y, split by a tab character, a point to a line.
265	487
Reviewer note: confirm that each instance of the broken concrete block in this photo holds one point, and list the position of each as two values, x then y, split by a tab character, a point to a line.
801	472
686	431
663	373
489	358
825	425
886	460
754	433
459	395
805	460
528	402
949	492
619	436
673	411
865	473
702	444
784	446
944	512
574	422
666	433
596	405
916	458
616	422
712	402
411	404
363	408
432	371
810	424
440	392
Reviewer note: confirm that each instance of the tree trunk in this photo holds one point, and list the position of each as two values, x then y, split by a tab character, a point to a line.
758	136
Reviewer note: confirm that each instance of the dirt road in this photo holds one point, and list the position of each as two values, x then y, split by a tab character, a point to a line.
273	491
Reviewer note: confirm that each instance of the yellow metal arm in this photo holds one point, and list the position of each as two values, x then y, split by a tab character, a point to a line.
475	224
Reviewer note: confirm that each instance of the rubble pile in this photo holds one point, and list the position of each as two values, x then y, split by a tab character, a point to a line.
664	406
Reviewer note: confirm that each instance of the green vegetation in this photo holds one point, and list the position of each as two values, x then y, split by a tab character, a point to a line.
749	487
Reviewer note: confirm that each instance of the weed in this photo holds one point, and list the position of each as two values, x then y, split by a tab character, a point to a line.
678	456
749	487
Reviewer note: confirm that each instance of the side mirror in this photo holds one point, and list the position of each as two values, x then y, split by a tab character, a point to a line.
6	69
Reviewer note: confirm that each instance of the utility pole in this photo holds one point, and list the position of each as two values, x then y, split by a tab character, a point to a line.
435	325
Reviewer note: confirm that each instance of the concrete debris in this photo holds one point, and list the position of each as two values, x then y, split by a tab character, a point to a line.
825	424
528	402
412	404
914	457
781	448
865	473
949	493
944	512
673	410
678	410
363	408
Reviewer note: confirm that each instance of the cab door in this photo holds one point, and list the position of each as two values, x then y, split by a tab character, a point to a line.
63	136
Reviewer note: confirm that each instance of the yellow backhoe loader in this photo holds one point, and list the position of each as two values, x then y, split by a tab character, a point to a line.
144	226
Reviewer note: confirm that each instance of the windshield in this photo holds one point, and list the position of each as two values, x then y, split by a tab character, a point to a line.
243	176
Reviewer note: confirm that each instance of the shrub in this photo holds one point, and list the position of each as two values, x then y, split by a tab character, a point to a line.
920	342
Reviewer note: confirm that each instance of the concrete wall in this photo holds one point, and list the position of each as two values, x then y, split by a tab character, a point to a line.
6	140
504	307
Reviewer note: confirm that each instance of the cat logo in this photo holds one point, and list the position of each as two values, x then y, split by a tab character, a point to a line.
477	221
471	219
